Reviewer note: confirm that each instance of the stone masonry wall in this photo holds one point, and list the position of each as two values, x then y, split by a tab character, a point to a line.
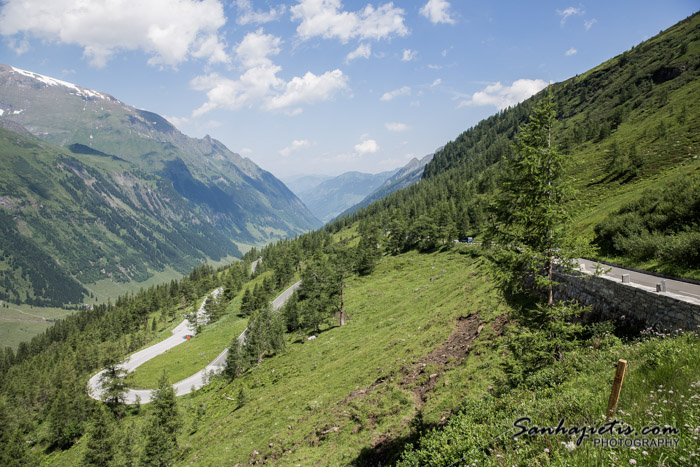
611	299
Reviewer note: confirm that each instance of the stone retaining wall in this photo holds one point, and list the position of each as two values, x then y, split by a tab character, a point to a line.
642	306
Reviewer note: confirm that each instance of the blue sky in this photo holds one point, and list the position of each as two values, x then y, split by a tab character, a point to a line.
324	86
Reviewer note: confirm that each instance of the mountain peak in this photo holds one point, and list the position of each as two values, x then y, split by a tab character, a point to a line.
49	81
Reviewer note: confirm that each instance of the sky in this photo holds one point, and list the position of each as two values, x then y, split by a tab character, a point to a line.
324	86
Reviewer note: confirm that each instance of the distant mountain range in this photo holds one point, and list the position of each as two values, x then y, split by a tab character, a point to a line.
406	176
303	183
328	198
92	188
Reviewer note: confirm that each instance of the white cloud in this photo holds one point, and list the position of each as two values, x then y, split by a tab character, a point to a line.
171	31
310	88
295	146
259	83
437	82
502	97
255	48
246	151
569	12
437	11
363	51
19	46
246	13
403	91
367	146
409	55
571	52
589	23
395	126
435	67
326	19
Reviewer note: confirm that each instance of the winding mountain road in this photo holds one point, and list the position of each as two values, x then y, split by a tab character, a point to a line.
180	333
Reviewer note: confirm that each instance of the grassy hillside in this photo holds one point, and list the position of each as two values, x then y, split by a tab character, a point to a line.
337	399
19	323
415	376
661	389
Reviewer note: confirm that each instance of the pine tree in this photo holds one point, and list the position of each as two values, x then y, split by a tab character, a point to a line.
126	454
236	363
164	407
159	450
113	379
101	445
531	212
367	254
247	304
161	432
529	241
264	335
242	397
13	449
68	411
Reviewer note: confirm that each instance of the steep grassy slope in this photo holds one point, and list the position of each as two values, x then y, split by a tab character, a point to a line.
412	377
661	390
412	344
71	219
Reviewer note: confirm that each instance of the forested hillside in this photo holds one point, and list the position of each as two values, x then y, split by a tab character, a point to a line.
628	126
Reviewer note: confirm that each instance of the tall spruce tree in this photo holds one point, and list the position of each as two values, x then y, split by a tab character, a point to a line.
101	445
531	211
528	237
113	379
161	432
264	335
236	363
13	449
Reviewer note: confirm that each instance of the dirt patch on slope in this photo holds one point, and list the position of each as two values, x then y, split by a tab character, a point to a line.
448	355
419	379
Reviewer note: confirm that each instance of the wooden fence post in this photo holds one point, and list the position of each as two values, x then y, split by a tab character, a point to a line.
616	388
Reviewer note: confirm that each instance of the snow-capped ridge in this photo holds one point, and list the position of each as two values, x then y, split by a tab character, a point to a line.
47	80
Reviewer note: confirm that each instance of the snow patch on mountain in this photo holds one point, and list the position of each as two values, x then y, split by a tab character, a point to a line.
57	82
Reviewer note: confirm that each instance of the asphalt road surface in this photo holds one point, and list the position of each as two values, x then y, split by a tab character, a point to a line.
191	383
684	289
